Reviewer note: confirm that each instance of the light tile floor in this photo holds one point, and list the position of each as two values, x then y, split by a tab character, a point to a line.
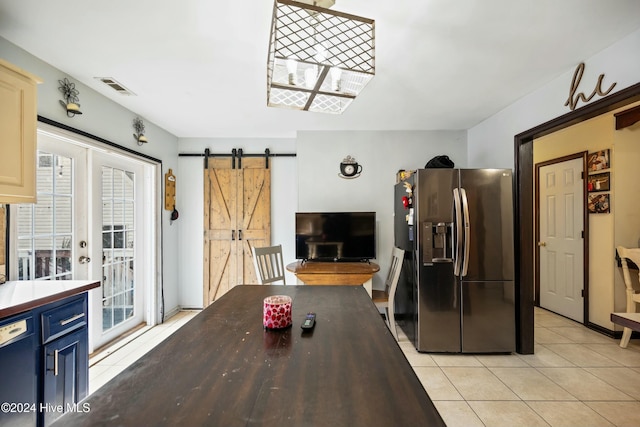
577	377
115	359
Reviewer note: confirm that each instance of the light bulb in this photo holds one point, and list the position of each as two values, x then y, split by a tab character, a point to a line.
292	68
336	73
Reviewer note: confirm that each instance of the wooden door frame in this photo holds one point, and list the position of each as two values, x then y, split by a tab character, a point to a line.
524	208
585	230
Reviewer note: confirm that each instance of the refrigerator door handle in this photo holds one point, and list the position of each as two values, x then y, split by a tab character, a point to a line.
457	249
467	232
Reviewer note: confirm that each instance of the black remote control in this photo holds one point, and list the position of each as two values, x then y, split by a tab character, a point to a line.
309	321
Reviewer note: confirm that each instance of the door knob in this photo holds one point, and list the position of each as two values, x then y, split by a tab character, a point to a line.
542	243
84	259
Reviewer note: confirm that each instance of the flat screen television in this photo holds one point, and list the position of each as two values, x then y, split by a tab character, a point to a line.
335	236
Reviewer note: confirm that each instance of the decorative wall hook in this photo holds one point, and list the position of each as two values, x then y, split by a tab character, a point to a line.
70	94
138	126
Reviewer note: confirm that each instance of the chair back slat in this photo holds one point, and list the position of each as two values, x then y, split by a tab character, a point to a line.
394	271
386	301
268	264
632	254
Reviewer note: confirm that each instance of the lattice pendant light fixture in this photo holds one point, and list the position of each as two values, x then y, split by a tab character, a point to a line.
319	59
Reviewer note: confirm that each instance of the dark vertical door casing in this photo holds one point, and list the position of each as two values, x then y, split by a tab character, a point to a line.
438	291
488	290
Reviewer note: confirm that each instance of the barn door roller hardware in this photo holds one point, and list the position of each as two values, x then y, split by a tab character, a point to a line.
236	156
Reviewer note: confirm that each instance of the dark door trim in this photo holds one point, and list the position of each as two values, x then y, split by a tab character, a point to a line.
585	230
524	221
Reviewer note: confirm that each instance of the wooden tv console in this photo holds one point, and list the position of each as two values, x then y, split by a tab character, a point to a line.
335	273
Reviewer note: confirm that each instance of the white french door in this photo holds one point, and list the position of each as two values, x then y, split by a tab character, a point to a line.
116	233
89	223
49	232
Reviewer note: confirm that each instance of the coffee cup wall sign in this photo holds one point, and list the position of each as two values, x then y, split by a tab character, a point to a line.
349	168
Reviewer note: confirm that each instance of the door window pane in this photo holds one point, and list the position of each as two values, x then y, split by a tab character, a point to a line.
63	216
44	172
65	176
43	215
128	215
44	258
118	228
45	229
63	256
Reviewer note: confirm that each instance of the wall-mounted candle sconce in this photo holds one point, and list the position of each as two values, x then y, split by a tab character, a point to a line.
70	94
138	126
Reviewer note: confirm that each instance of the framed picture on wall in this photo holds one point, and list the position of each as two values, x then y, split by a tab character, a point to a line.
599	203
599	182
598	161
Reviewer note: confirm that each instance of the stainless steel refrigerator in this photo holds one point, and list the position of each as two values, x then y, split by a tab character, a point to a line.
460	234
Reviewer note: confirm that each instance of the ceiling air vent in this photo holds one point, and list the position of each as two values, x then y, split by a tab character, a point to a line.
115	85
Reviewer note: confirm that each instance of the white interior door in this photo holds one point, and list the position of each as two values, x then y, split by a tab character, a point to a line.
561	249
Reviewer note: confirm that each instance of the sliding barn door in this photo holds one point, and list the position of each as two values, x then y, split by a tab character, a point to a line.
254	213
237	216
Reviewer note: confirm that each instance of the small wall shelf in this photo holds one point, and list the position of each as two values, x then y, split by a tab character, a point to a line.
627	118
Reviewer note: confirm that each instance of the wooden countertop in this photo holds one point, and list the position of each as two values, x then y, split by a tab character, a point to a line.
222	368
20	296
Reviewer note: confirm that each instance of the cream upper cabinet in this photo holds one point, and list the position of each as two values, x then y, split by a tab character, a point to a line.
18	123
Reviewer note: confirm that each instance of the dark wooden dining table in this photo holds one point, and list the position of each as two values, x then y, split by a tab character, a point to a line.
222	368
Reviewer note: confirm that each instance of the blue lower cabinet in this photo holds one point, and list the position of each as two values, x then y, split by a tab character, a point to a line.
65	375
44	362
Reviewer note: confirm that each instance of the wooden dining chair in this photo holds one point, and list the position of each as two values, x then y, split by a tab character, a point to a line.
385	299
268	264
633	297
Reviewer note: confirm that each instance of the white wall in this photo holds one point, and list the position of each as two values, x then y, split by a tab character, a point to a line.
309	182
106	119
189	200
382	154
491	142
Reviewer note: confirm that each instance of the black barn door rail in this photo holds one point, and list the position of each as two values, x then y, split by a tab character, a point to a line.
236	156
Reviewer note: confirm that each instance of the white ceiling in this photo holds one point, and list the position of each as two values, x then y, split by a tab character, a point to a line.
198	67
